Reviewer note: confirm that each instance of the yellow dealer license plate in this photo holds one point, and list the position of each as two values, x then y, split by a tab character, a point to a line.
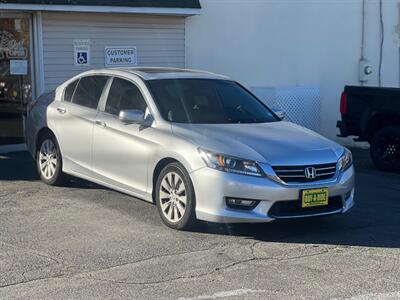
315	197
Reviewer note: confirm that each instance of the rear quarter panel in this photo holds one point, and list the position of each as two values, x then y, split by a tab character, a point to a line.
38	118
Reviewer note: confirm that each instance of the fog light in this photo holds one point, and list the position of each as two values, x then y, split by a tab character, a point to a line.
241	203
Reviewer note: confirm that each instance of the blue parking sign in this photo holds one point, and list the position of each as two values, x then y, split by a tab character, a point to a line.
81	58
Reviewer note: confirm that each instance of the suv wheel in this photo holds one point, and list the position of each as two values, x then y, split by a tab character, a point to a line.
49	161
175	197
385	149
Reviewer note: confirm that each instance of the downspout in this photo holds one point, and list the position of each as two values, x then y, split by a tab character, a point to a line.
363	31
382	28
398	31
362	58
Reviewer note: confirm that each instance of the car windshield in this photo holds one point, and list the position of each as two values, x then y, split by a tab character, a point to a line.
207	101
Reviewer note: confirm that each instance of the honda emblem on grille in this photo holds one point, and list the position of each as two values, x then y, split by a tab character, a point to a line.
310	173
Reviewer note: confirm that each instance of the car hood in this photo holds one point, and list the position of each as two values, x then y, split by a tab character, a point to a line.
277	143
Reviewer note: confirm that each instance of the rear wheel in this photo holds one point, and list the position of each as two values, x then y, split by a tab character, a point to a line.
49	161
385	149
175	197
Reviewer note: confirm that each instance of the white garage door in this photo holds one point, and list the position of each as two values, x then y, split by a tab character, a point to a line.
159	40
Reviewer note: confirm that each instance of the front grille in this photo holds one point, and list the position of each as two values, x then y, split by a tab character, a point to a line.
296	174
293	208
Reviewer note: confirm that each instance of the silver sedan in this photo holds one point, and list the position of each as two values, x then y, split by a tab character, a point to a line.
198	145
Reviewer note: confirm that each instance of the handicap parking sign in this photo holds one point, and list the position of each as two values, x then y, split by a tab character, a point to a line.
82	52
81	58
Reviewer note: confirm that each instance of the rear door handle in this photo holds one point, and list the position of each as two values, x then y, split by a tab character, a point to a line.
100	123
61	110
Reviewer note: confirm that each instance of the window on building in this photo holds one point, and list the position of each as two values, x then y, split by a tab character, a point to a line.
89	90
124	95
69	91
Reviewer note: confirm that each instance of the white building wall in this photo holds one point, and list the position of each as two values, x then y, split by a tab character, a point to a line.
160	41
280	43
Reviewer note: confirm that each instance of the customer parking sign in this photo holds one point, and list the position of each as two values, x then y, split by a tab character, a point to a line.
121	56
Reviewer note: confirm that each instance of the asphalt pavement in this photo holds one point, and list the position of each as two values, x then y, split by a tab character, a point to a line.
84	241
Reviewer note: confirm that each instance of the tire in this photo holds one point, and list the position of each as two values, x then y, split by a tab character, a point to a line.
385	149
175	197
49	160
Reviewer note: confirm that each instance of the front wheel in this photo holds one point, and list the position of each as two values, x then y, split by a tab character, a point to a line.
175	197
49	161
385	149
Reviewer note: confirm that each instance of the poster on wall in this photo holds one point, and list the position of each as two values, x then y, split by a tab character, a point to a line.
81	52
18	67
11	47
121	56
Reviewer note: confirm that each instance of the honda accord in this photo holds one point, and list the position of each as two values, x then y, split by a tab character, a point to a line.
198	145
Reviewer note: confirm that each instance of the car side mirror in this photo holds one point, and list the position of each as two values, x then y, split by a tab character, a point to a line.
279	113
131	116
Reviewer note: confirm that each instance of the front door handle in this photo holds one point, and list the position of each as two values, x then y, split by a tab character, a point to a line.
100	123
61	110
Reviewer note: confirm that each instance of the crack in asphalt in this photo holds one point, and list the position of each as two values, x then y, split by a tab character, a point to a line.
96	270
215	270
32	252
87	274
32	280
150	258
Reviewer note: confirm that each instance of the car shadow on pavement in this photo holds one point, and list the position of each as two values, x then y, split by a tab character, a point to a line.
17	166
334	230
20	166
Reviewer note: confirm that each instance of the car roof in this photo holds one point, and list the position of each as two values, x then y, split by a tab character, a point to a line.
154	73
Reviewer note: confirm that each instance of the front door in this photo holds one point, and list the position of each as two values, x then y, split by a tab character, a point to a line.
15	75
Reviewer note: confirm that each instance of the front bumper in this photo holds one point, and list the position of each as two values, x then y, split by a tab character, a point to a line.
212	187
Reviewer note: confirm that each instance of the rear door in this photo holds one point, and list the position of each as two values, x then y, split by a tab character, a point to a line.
121	151
74	118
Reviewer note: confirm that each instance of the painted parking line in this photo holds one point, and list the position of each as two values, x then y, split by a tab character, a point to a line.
377	296
226	294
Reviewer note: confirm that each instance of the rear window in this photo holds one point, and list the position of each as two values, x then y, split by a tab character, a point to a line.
89	90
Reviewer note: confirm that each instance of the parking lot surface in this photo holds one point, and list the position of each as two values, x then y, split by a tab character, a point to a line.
85	241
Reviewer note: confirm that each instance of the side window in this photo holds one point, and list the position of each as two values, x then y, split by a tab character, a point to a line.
69	91
89	90
124	95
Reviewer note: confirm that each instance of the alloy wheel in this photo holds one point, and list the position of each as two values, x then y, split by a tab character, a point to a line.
48	159
173	197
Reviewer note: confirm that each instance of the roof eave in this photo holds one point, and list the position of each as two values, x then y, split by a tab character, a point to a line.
185	12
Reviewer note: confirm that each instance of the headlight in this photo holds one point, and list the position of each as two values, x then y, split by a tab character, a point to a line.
230	164
345	161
